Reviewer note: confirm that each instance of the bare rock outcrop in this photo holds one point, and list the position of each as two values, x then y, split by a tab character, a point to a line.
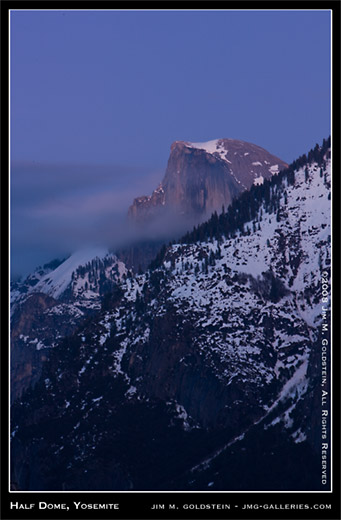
202	177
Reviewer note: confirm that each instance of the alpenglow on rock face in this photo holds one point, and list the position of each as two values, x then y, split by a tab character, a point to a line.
202	177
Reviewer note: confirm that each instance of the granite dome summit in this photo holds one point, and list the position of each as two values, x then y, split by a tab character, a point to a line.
201	177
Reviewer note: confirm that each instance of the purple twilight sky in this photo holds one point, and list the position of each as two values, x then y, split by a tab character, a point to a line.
97	98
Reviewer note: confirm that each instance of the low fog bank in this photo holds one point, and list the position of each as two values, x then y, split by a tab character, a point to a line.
144	239
58	209
43	239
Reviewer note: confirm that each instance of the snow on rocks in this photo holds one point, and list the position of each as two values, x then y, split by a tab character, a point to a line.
227	298
56	282
258	180
209	147
274	169
80	273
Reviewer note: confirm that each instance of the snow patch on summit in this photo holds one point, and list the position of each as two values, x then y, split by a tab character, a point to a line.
209	146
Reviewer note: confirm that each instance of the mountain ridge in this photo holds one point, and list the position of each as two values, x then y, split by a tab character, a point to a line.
214	353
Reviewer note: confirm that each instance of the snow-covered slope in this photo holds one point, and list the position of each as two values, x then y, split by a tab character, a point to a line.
293	245
78	276
252	302
217	348
56	282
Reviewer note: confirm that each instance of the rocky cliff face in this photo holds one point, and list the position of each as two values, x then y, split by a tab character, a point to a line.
26	355
210	361
202	177
51	303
